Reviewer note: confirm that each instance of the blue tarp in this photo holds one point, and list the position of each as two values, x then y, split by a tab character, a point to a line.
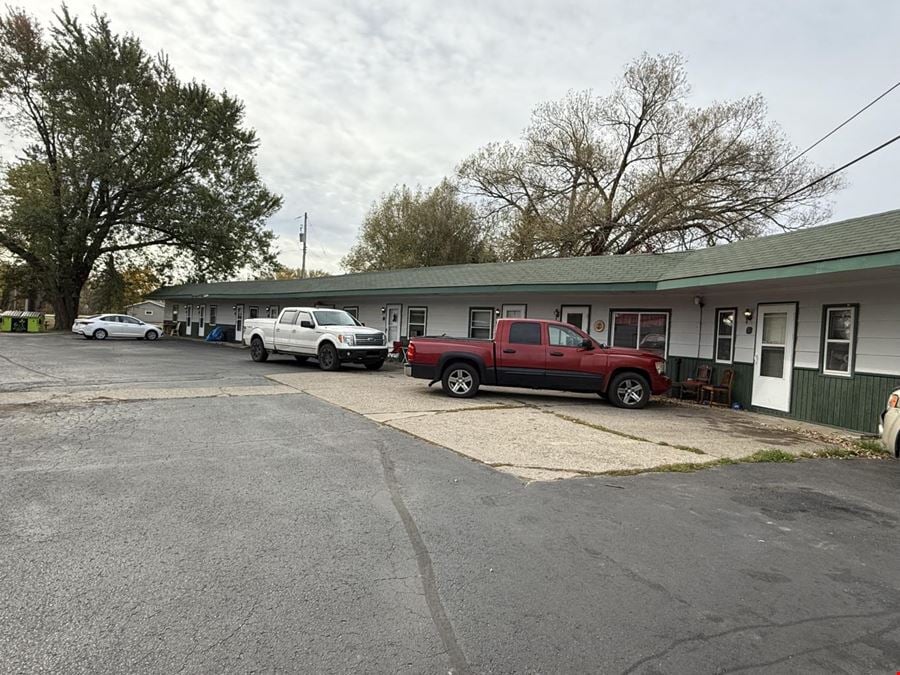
216	335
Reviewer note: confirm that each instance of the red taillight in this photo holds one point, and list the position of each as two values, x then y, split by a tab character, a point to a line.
411	351
893	401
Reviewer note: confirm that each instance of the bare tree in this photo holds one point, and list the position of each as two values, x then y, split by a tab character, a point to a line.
640	170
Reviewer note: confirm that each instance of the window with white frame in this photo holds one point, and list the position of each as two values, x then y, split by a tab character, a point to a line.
725	327
481	322
416	321
254	311
839	340
148	312
641	330
213	314
352	311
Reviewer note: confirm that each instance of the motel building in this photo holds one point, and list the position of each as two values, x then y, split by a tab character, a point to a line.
809	321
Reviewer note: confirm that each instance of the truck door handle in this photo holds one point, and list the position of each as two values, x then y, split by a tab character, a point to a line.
556	354
509	351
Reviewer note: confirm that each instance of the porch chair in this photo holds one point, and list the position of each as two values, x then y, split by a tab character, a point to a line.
399	350
719	394
690	388
172	328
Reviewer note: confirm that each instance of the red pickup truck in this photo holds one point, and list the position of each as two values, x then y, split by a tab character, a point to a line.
538	354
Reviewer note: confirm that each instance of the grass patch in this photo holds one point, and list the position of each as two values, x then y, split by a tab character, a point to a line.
599	427
871	445
769	456
865	448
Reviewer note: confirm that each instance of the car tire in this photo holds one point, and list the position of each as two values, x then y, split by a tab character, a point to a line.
300	358
258	351
460	380
100	334
374	366
151	335
328	357
629	390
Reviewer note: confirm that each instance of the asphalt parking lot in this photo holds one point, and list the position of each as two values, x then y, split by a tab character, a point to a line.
168	506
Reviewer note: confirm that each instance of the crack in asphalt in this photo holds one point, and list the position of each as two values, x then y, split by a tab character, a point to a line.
458	663
31	370
739	629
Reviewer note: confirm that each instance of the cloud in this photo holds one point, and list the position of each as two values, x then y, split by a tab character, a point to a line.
352	98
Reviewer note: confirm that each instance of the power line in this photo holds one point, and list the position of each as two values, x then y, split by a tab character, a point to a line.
841	125
798	190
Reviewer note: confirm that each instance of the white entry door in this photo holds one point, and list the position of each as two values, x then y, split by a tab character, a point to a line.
773	358
202	322
577	315
239	323
188	320
514	311
392	323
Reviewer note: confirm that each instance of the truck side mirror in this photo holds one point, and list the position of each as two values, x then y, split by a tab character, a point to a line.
306	324
587	343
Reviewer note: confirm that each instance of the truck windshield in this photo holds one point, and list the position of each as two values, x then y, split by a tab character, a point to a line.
333	317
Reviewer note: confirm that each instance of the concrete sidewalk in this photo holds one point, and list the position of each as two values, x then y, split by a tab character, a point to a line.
547	435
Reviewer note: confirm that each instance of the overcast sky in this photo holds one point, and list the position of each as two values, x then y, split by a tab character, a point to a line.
352	98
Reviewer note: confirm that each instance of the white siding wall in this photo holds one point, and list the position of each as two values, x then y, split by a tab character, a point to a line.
878	344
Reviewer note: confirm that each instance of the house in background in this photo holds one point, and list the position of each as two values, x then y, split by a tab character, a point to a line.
148	311
808	320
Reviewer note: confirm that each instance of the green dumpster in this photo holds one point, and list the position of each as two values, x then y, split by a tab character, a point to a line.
6	319
34	322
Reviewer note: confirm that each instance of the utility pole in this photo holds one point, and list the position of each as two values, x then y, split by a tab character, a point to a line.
303	242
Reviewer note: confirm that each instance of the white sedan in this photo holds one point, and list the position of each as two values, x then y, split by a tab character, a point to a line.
103	326
889	426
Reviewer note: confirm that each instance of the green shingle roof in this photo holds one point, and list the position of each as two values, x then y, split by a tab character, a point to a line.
876	234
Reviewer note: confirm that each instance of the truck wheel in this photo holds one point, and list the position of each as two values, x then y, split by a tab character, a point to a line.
629	390
460	380
328	357
374	366
300	358
258	350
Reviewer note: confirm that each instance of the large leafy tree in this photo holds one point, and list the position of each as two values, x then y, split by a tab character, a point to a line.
420	228
641	170
119	157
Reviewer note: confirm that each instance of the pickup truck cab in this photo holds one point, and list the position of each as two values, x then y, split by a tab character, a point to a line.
330	335
539	354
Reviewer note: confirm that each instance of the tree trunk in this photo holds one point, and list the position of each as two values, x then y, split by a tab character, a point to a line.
65	304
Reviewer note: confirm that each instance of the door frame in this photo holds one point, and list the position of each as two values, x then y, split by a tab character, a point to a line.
562	316
201	321
189	323
239	329
794	306
523	305
387	314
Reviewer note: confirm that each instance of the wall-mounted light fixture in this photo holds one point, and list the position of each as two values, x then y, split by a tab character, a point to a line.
234	308
698	300
198	308
383	311
497	312
556	314
748	314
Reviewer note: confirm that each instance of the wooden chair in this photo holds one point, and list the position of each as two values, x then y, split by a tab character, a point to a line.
690	388
719	394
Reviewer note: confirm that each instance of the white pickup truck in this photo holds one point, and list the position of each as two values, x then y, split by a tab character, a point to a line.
330	335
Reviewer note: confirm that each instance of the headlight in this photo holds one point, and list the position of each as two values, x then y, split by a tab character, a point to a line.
349	340
660	367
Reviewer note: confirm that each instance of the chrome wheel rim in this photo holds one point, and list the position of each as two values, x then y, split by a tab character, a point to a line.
151	335
630	392
100	334
460	381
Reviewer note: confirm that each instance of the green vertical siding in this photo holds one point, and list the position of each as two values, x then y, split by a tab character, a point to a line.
849	402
